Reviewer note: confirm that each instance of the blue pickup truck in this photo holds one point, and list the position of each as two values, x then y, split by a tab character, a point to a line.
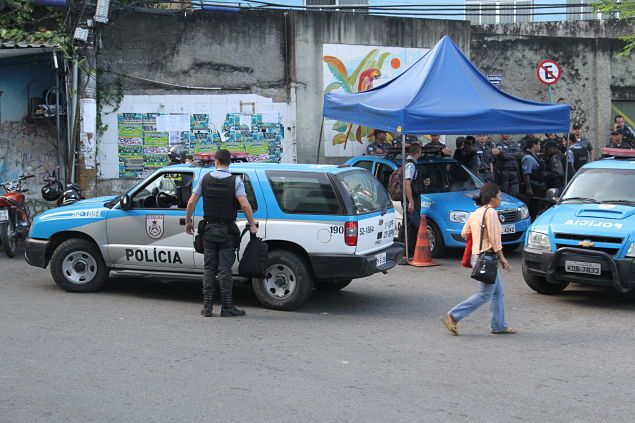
448	202
588	237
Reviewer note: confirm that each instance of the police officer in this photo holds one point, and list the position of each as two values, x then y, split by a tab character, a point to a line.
554	165
533	176
177	154
380	146
508	159
222	194
412	208
628	134
436	144
465	153
617	140
578	154
484	149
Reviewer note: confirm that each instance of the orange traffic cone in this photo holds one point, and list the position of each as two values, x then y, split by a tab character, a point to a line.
423	256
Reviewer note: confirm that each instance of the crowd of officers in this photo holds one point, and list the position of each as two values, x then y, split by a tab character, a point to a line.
527	167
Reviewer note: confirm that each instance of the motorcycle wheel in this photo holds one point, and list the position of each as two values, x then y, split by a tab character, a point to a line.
9	237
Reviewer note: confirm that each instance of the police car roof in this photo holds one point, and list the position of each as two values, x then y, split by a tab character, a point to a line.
611	163
265	166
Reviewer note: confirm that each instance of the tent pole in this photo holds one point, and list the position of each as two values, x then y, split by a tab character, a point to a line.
317	156
404	213
566	167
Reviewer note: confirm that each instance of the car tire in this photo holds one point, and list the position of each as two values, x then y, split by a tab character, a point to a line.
9	238
332	285
540	284
437	244
288	284
77	266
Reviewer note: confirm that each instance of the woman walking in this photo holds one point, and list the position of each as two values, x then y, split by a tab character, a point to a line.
488	199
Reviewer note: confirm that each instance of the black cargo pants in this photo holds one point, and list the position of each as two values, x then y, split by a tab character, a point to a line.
219	243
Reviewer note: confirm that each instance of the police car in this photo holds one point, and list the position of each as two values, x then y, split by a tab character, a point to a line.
325	225
448	202
588	237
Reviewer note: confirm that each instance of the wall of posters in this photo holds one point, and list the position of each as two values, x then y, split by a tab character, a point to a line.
351	68
138	138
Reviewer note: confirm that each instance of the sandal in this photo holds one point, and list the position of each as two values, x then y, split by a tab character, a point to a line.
450	324
508	331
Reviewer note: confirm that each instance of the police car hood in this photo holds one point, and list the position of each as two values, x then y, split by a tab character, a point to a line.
463	201
94	205
587	219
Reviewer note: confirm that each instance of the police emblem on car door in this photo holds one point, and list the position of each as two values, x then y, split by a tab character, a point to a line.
151	234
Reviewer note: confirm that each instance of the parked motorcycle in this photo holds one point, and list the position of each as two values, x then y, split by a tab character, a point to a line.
14	217
54	191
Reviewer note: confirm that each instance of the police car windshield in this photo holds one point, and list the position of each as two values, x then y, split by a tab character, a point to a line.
615	186
367	193
445	177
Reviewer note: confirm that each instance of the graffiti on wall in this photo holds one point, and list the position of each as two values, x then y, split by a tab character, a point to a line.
357	68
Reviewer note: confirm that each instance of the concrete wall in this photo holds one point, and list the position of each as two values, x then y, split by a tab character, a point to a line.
311	30
593	73
26	147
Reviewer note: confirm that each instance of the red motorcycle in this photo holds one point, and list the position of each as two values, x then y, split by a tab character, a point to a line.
14	217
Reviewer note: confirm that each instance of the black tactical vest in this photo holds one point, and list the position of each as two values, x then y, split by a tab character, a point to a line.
538	174
219	198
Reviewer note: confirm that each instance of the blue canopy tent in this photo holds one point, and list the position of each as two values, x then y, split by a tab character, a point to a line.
443	93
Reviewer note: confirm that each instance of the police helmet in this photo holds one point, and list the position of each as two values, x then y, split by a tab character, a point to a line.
52	191
69	197
178	154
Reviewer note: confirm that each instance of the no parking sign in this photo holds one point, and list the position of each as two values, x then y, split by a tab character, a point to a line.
548	72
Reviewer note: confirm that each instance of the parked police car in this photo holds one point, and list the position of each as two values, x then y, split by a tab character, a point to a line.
588	237
325	226
448	203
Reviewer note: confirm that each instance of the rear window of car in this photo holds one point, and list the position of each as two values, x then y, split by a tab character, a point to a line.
367	194
304	192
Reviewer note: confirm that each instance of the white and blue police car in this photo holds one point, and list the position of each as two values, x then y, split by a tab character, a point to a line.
588	237
325	225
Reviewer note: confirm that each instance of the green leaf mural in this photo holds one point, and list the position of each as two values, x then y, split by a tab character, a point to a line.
363	65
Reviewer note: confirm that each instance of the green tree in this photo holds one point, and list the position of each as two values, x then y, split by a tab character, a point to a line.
624	9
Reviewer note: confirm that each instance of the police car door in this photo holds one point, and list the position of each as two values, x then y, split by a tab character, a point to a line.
151	235
257	201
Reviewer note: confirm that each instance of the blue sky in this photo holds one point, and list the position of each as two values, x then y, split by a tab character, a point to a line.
556	17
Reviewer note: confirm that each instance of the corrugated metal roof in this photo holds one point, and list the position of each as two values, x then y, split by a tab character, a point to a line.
25	44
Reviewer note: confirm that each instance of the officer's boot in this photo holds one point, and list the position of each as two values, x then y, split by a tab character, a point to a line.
208	301
228	309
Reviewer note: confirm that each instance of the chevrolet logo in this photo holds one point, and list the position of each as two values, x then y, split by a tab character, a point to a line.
586	243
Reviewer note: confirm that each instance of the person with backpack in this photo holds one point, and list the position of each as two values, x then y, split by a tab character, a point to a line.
412	208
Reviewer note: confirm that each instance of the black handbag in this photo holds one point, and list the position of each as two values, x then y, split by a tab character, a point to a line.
253	263
486	267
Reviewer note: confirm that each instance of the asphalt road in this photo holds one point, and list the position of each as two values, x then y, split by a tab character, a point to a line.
139	351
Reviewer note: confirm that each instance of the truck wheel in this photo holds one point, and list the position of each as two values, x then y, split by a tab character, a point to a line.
9	238
437	245
325	285
77	266
288	283
540	284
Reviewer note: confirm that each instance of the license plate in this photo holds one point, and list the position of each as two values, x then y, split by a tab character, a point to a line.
381	259
509	229
582	267
4	215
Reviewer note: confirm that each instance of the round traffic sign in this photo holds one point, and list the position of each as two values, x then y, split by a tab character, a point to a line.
548	72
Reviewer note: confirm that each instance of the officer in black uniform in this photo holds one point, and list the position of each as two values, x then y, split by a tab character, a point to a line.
554	165
510	153
484	150
533	177
222	194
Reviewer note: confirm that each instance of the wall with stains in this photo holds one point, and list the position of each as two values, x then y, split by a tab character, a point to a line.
593	74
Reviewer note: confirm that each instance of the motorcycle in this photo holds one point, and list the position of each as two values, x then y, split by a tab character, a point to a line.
53	191
14	217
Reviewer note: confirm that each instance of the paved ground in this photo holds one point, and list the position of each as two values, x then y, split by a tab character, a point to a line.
140	352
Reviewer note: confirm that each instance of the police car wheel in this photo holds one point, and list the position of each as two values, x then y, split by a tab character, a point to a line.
331	285
77	266
437	245
540	284
288	283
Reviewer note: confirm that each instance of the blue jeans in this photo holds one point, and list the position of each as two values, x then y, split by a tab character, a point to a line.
488	292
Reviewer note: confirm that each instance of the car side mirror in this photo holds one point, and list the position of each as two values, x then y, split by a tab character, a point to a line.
125	202
553	195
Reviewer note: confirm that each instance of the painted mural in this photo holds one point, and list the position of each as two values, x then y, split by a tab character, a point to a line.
356	68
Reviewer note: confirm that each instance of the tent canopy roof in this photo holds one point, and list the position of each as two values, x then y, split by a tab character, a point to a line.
443	93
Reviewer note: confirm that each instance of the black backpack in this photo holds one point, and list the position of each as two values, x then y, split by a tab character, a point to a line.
253	263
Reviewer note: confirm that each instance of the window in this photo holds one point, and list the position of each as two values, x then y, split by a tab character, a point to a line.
365	164
304	192
366	192
383	174
249	189
170	190
446	177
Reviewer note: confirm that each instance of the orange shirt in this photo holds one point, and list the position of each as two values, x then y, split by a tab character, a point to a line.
491	234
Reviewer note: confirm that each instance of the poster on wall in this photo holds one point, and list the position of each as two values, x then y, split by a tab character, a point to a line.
145	139
351	68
